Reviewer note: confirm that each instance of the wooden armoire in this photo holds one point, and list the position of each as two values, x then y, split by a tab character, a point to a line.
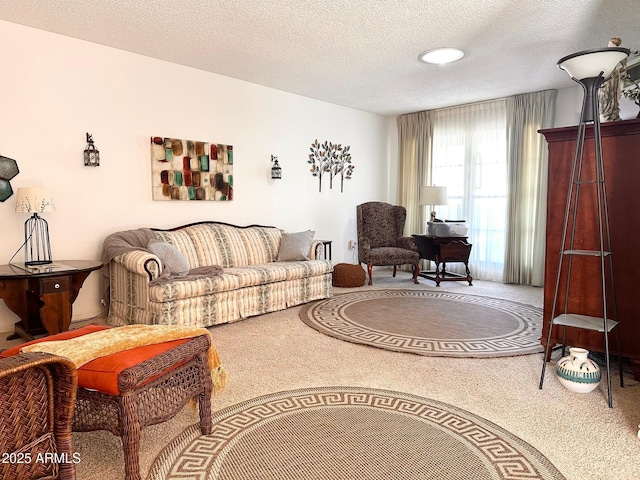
621	153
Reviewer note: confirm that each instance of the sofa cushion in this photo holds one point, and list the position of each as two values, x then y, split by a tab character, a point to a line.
206	244
178	289
295	246
240	277
170	256
262	244
102	373
181	239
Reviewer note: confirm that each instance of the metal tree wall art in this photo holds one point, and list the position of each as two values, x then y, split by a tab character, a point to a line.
331	158
319	160
342	165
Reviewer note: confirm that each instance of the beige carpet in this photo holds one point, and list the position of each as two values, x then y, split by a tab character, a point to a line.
578	433
429	322
350	433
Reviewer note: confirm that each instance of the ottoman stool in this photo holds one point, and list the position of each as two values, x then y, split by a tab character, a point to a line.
128	390
348	275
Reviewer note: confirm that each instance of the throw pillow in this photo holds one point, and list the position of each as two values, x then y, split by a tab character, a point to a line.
170	256
295	246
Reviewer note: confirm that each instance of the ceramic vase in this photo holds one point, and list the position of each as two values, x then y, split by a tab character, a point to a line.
577	373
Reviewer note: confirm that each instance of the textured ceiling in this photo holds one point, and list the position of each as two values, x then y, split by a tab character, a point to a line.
357	53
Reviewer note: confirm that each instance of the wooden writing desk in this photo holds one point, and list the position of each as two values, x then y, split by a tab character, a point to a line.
442	250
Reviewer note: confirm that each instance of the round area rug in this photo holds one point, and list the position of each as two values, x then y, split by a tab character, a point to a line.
349	433
429	323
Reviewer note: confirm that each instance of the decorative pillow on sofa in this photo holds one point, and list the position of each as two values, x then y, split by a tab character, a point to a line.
170	256
295	246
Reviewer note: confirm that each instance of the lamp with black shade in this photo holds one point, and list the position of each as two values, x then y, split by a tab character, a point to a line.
37	249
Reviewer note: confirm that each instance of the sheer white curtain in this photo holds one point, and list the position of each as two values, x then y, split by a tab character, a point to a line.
527	174
469	157
493	162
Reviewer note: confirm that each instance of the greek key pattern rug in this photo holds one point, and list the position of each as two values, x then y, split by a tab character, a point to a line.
349	433
425	322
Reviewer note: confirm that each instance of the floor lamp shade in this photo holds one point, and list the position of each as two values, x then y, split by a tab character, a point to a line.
432	196
37	249
593	63
590	68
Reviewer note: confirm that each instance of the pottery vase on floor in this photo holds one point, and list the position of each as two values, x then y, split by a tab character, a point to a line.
577	373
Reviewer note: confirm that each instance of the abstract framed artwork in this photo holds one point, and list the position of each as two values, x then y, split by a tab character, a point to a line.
191	170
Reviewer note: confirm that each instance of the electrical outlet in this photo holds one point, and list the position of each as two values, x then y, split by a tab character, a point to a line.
352	244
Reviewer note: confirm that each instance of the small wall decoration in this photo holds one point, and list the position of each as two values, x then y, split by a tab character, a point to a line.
610	91
331	158
631	86
191	170
8	170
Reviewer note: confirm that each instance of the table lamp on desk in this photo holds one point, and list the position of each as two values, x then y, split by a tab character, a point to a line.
433	196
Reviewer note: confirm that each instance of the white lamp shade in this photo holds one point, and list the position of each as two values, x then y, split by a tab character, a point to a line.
34	200
430	195
592	63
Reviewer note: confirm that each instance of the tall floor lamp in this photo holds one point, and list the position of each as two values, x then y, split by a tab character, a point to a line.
589	69
37	249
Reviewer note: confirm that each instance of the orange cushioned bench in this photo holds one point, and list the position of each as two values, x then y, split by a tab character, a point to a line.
142	386
102	373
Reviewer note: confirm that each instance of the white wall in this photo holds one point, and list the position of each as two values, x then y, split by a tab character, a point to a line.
569	105
56	88
392	146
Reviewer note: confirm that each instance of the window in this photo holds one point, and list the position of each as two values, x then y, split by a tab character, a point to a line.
469	158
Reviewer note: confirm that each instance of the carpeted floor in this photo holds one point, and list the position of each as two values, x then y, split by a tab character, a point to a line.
350	433
277	352
426	322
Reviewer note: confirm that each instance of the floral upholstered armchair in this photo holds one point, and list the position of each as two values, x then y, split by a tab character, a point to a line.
380	238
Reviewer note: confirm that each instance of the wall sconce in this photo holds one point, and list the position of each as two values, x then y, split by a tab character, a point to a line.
37	250
91	153
276	170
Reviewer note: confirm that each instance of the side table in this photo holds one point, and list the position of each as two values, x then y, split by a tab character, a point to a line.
327	248
43	297
442	250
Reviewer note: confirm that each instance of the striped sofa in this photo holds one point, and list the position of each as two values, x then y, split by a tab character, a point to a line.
252	282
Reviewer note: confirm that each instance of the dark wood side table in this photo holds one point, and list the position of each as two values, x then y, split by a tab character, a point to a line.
43	299
442	250
327	248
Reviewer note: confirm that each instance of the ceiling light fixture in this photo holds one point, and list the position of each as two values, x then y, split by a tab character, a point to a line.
441	56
